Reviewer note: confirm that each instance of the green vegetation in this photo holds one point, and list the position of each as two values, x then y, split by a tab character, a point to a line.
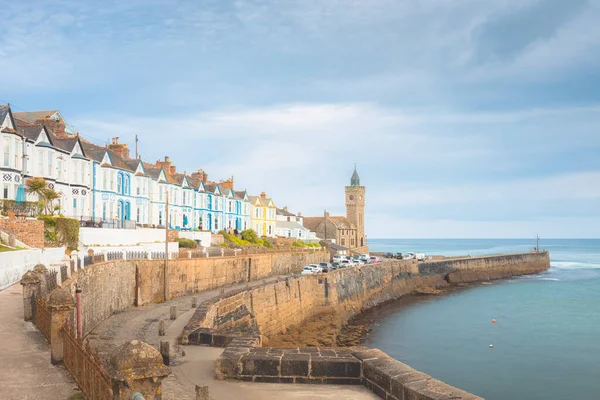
301	244
61	231
187	243
47	196
4	248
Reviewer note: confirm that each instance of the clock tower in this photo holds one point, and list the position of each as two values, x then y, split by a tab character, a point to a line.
355	208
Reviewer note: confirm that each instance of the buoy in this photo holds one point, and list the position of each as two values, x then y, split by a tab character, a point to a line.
493	321
491	346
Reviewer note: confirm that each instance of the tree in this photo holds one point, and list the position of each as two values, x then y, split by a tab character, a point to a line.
46	196
249	235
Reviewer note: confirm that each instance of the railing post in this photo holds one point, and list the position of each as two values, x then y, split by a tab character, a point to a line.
62	304
66	260
31	283
123	255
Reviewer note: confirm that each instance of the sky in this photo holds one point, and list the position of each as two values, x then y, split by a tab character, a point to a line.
465	118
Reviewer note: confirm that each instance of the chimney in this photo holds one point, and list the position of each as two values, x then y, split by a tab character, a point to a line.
228	183
204	177
285	208
299	214
326	214
120	148
166	164
198	174
58	127
173	169
263	196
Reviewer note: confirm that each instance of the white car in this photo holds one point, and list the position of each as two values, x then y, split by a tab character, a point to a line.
420	256
307	271
346	264
317	268
408	256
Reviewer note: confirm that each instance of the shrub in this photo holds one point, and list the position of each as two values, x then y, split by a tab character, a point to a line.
187	243
298	243
67	232
249	235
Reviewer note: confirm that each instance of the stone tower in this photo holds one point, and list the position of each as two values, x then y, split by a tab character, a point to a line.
355	208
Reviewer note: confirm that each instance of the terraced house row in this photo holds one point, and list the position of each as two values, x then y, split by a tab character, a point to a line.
104	186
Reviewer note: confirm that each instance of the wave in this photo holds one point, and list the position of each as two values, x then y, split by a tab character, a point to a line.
574	265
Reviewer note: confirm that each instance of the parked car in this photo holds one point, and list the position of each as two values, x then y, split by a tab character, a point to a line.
317	268
325	266
409	256
388	255
346	264
365	260
420	256
335	265
375	260
399	256
308	270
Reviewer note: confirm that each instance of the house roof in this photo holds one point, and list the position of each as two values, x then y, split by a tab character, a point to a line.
342	223
240	194
337	247
29	131
281	211
312	222
34	116
290	225
4	111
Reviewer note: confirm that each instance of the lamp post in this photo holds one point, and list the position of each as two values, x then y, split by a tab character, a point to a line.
166	280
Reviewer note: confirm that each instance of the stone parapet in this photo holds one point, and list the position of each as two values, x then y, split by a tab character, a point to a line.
28	231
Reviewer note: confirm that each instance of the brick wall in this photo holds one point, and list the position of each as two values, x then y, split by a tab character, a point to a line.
28	231
172	235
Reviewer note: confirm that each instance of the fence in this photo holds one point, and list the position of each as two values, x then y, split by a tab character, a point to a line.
63	273
85	367
42	316
51	281
91	222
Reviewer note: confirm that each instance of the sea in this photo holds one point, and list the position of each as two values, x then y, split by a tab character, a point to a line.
546	338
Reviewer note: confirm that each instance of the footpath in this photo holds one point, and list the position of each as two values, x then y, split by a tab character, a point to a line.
25	370
197	366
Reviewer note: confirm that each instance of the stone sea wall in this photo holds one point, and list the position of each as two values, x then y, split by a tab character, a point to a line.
246	320
115	286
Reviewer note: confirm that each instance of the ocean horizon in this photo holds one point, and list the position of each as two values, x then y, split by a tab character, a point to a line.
545	336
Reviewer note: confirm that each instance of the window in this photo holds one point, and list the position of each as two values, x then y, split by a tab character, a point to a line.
75	165
50	164
83	172
104	211
5	192
230	206
343	242
126	189
104	177
74	204
216	223
16	153
160	217
112	180
6	152
40	163
120	182
59	169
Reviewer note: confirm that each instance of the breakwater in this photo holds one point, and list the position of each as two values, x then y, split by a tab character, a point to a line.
256	315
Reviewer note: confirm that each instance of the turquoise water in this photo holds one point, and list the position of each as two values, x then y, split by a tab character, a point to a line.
547	332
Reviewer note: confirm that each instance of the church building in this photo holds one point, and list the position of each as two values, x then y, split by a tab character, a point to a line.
347	231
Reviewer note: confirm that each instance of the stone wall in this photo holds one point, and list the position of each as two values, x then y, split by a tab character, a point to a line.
278	306
115	286
28	231
188	276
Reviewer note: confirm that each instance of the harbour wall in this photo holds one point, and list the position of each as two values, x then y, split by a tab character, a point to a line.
243	322
115	286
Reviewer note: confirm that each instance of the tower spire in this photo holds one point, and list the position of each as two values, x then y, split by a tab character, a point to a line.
355	180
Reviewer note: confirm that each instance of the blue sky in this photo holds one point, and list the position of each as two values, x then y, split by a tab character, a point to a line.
466	118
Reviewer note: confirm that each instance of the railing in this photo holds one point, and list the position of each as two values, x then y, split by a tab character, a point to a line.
114	255
95	222
42	316
63	273
85	367
51	282
26	209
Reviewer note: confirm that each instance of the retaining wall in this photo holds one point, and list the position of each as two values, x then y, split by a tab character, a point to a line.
13	264
115	286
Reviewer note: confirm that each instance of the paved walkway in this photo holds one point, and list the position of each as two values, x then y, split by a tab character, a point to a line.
25	369
197	366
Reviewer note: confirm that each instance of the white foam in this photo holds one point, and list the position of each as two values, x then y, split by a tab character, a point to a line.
573	265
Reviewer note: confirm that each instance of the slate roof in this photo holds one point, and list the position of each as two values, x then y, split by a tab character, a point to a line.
312	223
281	211
340	222
210	187
4	111
34	116
290	225
30	132
239	194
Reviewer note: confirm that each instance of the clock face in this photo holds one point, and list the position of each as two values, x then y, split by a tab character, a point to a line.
351	197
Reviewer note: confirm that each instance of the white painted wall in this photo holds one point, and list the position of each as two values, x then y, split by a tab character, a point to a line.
160	247
13	264
203	237
120	237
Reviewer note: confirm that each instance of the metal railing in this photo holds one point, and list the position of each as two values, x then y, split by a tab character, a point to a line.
91	222
42	316
85	368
